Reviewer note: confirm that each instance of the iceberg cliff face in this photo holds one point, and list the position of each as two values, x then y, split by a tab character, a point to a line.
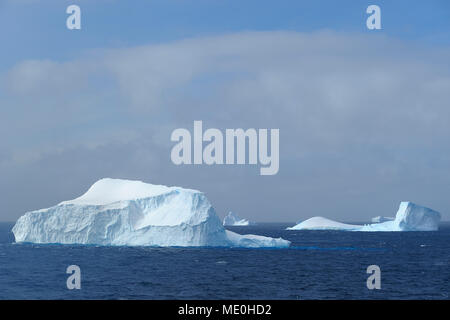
233	219
133	213
409	217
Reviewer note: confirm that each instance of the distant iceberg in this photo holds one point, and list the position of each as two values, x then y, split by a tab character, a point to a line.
409	217
232	219
132	213
321	223
382	219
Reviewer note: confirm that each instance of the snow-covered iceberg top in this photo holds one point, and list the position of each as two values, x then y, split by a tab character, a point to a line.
232	219
409	217
133	213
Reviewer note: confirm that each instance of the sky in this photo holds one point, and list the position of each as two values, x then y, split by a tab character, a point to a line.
363	115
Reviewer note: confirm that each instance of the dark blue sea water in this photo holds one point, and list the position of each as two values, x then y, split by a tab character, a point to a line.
319	265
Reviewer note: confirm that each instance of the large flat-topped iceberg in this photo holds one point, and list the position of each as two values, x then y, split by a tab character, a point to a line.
409	217
133	213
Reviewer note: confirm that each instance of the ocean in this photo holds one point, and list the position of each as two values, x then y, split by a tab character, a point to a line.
318	265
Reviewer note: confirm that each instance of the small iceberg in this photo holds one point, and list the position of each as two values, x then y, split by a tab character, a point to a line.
409	217
232	219
117	212
382	219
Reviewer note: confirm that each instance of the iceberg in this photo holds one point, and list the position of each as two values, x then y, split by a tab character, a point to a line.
117	212
233	219
321	223
379	219
409	217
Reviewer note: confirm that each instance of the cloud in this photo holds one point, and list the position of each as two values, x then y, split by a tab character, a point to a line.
37	77
362	118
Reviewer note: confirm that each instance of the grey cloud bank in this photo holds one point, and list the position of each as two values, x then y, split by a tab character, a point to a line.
364	122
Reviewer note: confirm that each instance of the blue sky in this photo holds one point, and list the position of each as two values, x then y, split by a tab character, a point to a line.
363	115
